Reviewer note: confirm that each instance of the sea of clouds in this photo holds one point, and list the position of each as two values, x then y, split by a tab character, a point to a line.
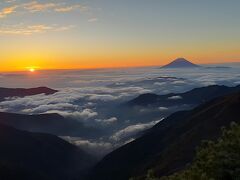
94	97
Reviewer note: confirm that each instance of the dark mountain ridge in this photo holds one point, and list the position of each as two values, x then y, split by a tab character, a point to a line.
192	97
48	123
21	92
27	156
170	145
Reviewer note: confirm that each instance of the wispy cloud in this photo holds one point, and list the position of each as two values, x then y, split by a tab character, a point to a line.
93	20
7	11
10	1
70	8
29	8
21	29
35	6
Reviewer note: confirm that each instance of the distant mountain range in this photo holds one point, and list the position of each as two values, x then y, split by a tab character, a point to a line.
170	145
184	63
62	126
48	123
32	155
21	92
45	123
167	147
180	63
28	156
193	97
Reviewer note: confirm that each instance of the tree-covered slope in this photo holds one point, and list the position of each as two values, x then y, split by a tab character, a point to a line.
214	160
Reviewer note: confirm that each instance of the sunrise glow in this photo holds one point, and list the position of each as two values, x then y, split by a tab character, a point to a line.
119	89
72	35
32	70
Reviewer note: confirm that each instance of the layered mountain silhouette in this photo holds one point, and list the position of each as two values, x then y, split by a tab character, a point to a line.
28	156
170	145
192	97
21	92
48	123
180	63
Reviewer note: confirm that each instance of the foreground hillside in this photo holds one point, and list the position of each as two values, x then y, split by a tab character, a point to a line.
219	160
28	156
170	145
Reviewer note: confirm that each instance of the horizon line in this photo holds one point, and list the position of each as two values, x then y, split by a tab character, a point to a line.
102	68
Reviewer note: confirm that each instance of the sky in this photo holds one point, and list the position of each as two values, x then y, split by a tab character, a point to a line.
79	34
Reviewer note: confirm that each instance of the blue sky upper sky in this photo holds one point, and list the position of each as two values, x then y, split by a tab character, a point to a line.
110	33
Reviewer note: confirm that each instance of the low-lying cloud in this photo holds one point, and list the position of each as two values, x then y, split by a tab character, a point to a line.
132	130
163	108
175	97
96	148
79	115
95	98
108	121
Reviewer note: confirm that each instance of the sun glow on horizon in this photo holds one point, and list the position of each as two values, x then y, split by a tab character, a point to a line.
86	35
32	70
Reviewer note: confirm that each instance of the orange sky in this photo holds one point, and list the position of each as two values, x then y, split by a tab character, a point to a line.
107	58
72	35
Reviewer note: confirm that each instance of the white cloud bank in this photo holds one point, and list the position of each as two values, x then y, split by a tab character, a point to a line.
175	97
132	130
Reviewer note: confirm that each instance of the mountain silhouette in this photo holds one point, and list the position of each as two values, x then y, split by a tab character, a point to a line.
38	156
193	97
48	123
180	63
21	92
170	145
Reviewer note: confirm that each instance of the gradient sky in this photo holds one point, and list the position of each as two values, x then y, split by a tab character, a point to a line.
62	34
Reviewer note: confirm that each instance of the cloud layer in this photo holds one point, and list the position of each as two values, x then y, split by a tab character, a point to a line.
96	98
